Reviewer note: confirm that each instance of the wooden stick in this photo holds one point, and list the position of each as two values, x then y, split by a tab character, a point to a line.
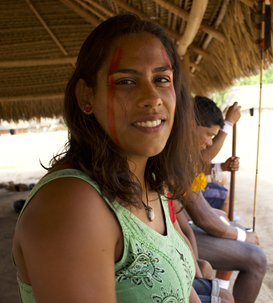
199	51
260	106
249	3
102	8
129	8
197	12
258	142
91	10
175	9
208	39
232	177
172	34
195	66
193	47
81	12
47	28
38	62
32	97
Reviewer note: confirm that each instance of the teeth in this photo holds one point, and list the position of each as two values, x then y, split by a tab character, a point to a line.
149	123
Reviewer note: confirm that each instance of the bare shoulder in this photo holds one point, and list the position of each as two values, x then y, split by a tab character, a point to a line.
66	201
67	239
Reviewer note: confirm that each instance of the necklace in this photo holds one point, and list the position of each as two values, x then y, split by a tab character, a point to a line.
150	211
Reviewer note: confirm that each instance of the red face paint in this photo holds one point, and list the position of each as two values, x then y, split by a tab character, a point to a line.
166	59
111	94
202	143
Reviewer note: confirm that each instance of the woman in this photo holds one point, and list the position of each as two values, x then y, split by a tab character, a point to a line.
96	228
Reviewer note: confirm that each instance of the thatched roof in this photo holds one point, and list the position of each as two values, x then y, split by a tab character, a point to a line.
40	39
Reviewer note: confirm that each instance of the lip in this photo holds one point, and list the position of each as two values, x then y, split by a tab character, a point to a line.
150	130
150	118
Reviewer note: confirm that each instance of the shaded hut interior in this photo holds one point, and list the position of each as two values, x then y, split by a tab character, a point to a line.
40	40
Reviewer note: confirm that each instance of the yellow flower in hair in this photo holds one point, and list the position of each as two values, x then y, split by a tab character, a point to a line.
199	183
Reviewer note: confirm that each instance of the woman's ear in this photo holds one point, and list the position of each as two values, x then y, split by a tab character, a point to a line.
83	95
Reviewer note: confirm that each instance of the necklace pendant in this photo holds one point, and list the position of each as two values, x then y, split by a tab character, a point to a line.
151	214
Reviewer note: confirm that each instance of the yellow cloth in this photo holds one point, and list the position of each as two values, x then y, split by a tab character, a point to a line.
199	183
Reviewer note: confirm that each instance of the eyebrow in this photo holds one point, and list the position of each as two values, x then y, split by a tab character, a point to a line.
134	71
212	134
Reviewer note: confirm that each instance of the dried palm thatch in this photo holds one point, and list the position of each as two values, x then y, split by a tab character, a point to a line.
40	40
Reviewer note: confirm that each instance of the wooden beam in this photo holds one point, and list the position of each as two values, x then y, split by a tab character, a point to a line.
129	8
199	51
196	66
171	33
249	3
192	47
185	15
197	12
32	97
185	64
101	8
219	19
81	12
91	10
46	28
38	62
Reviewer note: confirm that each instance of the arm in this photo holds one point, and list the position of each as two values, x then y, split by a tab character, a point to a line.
194	297
68	240
233	115
177	227
204	217
220	212
231	164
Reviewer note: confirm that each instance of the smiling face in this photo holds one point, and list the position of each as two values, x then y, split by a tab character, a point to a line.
134	101
206	135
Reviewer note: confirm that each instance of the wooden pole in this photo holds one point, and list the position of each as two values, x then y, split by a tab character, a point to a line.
197	12
38	62
81	12
177	10
101	8
232	177
258	142
260	106
93	11
47	28
32	97
249	3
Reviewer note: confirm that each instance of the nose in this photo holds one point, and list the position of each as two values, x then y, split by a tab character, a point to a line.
209	142
149	96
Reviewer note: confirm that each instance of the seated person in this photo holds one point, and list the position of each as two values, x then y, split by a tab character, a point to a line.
211	124
208	290
227	248
96	228
226	245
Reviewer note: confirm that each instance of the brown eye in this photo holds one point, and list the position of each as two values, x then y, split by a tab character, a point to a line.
162	80
125	82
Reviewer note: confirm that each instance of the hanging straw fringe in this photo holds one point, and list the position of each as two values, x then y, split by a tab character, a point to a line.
27	110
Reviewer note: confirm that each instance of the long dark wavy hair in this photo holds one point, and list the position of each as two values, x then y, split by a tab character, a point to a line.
92	151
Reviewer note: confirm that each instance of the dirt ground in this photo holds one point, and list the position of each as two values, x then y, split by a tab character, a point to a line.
19	162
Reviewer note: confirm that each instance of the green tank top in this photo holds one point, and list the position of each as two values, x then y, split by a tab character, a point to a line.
153	268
